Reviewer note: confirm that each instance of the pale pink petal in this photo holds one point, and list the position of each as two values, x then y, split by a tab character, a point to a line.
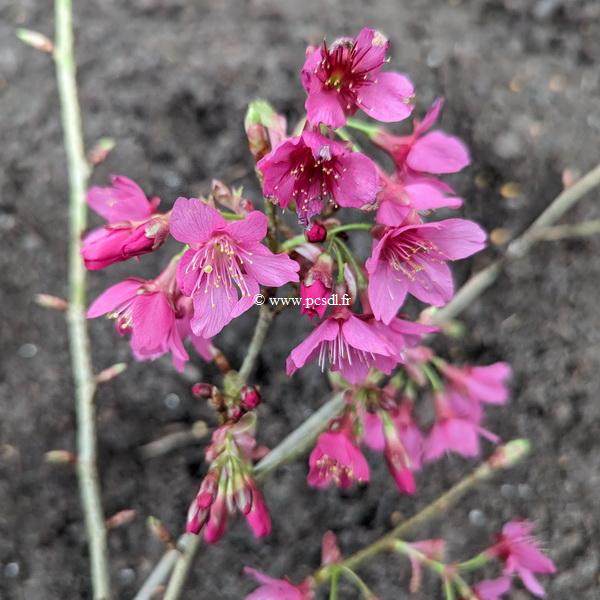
361	336
193	221
492	589
425	196
531	583
114	297
388	98
438	152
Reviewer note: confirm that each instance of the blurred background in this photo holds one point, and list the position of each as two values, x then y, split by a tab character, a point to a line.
169	80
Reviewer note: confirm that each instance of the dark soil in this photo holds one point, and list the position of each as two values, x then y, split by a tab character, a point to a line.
169	80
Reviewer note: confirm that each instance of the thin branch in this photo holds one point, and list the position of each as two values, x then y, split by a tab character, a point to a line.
174	441
561	232
504	457
78	337
481	281
265	318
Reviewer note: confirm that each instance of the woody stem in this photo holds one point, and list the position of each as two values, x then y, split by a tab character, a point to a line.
85	385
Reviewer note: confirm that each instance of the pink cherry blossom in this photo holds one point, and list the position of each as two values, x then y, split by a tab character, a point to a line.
133	226
422	152
520	553
155	313
314	299
225	264
335	458
402	194
411	259
454	432
346	76
483	384
312	170
492	589
278	589
347	344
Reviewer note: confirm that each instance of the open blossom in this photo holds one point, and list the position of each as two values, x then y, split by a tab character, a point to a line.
225	264
485	384
278	589
133	225
347	344
520	553
155	313
454	431
422	152
411	259
400	195
346	76
492	589
312	169
336	458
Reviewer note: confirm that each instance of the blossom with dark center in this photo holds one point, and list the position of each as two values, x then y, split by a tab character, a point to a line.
344	343
411	259
225	264
341	78
312	169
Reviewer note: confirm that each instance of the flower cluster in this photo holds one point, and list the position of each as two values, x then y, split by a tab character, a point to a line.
372	351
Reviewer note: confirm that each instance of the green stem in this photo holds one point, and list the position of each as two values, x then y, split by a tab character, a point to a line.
292	243
363	126
350	227
85	387
360	584
449	590
343	134
360	277
432	377
474	563
333	591
498	461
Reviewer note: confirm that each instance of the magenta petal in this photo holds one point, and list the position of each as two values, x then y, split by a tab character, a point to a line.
306	350
531	583
247	300
433	284
425	196
455	238
387	291
323	106
371	46
213	311
361	336
388	99
153	319
273	270
492	589
114	297
359	184
125	201
430	117
193	221
438	152
251	229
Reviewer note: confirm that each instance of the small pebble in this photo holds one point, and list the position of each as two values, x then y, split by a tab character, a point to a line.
172	401
11	570
127	576
28	350
477	518
508	491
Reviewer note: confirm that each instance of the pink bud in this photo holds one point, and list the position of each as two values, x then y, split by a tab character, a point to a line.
202	391
250	397
330	552
316	232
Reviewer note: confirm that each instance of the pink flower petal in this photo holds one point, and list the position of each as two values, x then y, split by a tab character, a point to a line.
438	152
388	98
193	221
114	297
359	183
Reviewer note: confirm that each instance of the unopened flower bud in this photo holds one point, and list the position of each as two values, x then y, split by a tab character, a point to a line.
202	391
316	233
58	457
159	531
258	140
36	40
53	302
110	372
123	517
510	454
250	397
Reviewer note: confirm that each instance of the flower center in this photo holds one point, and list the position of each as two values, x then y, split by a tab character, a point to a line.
405	252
